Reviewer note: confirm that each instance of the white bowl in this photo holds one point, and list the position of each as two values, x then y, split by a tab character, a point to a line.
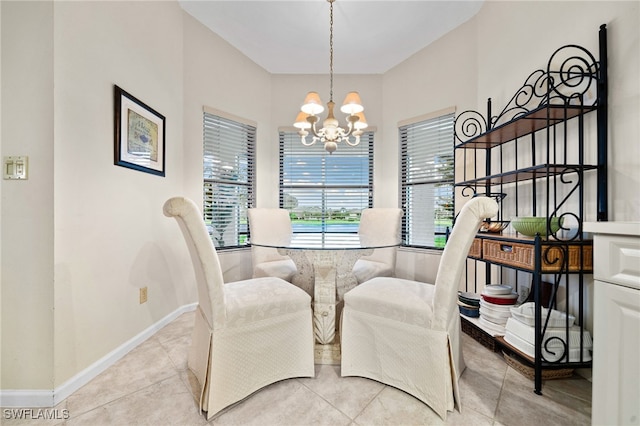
496	289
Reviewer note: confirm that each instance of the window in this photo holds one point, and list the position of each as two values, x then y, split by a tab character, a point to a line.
427	180
325	193
229	149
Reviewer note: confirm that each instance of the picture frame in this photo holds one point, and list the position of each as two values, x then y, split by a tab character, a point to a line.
139	134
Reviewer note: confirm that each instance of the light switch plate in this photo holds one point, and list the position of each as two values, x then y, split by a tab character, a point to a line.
16	167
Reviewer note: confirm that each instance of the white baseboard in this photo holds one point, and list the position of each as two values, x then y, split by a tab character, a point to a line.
26	398
50	398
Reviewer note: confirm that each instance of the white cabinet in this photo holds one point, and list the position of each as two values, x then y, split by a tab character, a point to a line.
616	334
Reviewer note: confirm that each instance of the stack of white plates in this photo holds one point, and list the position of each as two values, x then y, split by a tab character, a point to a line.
497	314
494	316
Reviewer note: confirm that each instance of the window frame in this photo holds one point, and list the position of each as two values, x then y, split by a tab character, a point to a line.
218	144
429	178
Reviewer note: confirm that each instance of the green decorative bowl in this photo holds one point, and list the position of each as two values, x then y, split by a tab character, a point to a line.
530	225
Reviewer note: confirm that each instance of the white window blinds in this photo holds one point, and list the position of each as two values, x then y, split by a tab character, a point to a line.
229	149
325	192
427	180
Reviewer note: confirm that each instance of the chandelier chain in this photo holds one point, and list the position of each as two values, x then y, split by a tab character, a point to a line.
331	50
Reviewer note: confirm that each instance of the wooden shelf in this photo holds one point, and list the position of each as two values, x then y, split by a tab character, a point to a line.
540	118
528	173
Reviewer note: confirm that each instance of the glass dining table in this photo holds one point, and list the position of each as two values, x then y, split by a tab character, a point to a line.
325	263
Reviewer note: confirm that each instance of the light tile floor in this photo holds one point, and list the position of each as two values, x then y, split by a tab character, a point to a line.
152	386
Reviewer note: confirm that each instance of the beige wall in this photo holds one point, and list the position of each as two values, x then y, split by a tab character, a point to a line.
81	235
491	56
27	206
110	235
218	76
535	30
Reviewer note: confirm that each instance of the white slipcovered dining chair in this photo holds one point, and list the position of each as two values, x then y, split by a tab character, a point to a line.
378	226
406	333
247	334
270	226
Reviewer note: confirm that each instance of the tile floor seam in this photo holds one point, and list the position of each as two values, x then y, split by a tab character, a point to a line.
477	413
567	393
324	399
337	408
127	395
495	410
369	403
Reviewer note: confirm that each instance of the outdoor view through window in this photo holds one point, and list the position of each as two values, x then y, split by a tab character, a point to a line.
325	193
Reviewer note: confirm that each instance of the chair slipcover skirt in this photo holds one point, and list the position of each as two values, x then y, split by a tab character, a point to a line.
247	334
234	362
406	344
407	333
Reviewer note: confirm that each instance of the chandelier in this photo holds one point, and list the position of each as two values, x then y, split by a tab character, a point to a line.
331	133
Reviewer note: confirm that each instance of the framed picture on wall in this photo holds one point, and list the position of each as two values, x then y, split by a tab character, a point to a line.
139	134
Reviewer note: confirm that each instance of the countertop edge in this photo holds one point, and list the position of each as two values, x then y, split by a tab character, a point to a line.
630	228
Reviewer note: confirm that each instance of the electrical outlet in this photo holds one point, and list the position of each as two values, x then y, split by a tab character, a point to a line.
523	293
143	295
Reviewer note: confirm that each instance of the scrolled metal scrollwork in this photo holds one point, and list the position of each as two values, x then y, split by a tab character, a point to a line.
556	254
569	229
575	72
530	96
468	191
469	124
554	350
571	78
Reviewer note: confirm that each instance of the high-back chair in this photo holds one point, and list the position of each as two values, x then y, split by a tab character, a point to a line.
247	334
406	333
270	226
378	226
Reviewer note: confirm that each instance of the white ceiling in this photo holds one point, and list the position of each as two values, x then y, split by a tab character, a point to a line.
292	37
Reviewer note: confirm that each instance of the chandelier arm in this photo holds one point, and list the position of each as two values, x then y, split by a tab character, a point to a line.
350	128
305	143
356	141
346	133
315	132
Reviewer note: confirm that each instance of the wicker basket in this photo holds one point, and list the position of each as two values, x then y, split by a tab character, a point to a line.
522	256
476	248
529	372
479	335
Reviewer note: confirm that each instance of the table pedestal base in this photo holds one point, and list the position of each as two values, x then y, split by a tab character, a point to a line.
327	275
328	354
